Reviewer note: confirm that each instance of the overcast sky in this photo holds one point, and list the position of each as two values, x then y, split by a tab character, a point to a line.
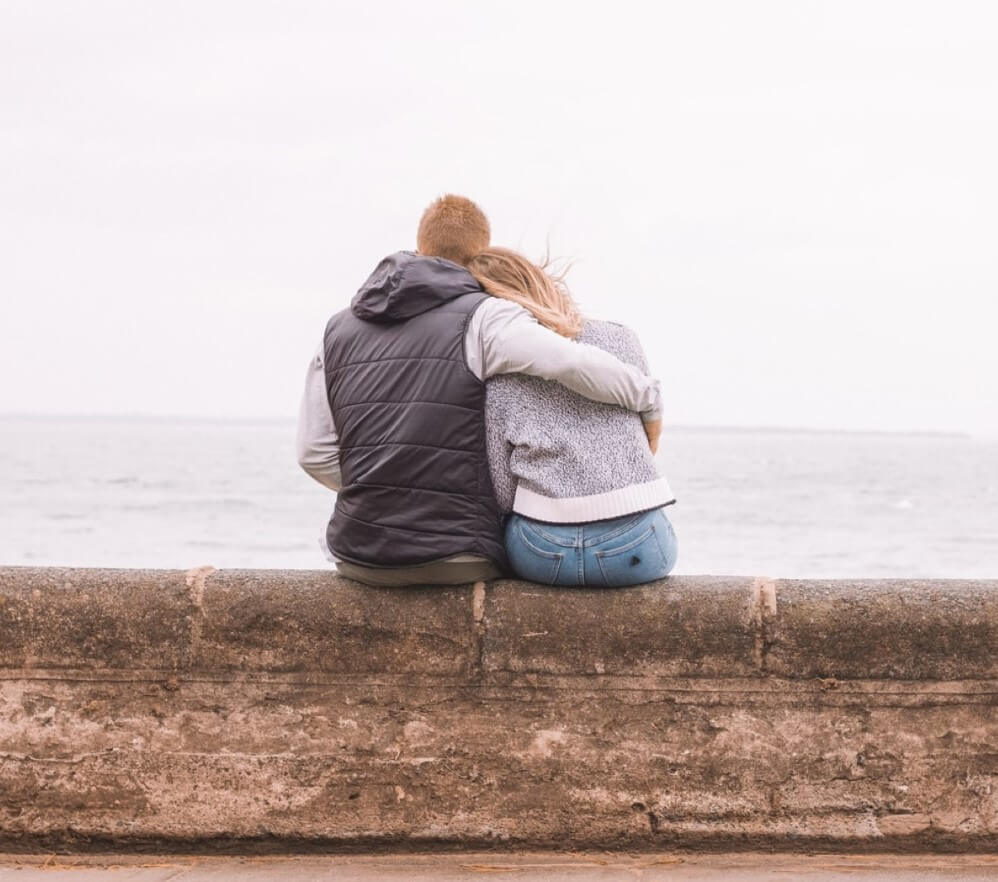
795	204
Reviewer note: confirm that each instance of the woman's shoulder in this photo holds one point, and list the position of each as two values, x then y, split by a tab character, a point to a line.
613	337
607	328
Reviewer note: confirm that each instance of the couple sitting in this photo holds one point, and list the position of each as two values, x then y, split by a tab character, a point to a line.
473	423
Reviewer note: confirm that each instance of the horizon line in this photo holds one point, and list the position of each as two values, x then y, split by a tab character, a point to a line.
675	427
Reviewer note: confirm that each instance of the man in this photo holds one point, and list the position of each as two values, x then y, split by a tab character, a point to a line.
392	417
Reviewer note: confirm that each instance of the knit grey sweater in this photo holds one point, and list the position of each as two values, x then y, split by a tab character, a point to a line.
558	457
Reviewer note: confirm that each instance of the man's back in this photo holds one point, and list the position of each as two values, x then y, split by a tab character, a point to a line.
415	480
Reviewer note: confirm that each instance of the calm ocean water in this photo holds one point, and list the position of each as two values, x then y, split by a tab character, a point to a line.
143	493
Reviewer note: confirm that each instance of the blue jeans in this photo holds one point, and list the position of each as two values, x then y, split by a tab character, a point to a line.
622	551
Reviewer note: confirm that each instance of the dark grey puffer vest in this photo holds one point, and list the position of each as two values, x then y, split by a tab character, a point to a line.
410	417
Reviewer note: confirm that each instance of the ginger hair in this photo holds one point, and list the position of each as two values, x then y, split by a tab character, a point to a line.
453	227
504	273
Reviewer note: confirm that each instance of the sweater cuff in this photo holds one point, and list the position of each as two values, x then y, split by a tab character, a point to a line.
655	411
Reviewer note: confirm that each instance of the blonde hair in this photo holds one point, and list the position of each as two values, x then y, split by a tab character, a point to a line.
453	227
504	273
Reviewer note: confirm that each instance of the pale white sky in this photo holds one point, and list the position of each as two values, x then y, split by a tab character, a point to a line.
794	203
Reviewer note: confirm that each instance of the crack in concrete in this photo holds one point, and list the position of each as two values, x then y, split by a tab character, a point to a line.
763	619
196	579
479	630
74	760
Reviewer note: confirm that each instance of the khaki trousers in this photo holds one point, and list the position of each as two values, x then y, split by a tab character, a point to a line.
439	572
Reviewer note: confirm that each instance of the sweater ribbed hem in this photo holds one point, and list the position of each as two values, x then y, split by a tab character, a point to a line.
596	507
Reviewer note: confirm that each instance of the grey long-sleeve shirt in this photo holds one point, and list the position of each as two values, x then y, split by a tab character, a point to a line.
502	338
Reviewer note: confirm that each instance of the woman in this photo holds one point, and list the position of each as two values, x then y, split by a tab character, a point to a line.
578	477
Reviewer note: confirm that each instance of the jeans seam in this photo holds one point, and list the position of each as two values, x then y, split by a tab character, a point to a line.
554	540
538	551
658	548
632	544
613	534
606	580
557	568
660	537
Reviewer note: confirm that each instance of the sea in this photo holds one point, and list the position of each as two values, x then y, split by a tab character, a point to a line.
176	493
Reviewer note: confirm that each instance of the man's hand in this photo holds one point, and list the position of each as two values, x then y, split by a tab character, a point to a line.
653	430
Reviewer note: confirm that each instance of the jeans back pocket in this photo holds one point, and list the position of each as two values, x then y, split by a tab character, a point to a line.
634	562
529	560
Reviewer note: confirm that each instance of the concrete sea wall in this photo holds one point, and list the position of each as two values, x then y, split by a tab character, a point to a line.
294	710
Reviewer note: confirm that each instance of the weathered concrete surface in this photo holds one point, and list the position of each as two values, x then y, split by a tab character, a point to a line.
543	867
269	710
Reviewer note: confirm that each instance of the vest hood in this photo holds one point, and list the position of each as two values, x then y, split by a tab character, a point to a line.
406	284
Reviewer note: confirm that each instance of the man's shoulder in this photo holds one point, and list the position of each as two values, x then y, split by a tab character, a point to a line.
493	317
339	314
500	308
